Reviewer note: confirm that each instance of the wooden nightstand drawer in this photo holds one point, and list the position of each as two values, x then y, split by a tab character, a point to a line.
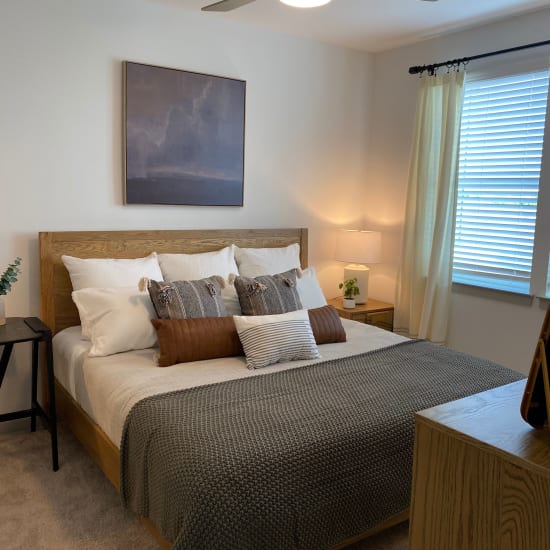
374	312
382	319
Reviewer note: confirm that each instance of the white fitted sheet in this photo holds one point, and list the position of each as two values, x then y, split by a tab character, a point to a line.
107	387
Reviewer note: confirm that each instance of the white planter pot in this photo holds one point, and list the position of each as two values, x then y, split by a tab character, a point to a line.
2	312
348	303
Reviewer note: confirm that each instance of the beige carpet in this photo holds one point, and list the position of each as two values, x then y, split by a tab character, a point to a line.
76	507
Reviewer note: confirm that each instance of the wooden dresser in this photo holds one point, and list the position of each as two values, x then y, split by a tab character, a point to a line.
481	477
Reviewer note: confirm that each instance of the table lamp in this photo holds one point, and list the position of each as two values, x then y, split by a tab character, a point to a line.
358	248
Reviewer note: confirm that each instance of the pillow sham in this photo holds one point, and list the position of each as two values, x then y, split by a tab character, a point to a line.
119	319
109	273
267	261
184	340
269	339
191	267
268	294
186	299
326	325
309	289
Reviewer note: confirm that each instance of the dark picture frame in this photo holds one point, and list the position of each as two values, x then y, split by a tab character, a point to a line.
183	137
535	404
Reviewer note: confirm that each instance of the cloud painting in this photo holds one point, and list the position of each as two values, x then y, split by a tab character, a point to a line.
184	137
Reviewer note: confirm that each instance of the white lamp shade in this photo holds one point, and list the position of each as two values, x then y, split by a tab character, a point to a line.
359	247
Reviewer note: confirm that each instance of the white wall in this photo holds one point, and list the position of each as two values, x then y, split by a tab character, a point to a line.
494	325
60	145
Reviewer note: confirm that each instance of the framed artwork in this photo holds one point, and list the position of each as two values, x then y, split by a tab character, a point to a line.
183	137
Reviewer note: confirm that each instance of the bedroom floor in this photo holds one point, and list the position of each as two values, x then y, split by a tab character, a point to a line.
77	507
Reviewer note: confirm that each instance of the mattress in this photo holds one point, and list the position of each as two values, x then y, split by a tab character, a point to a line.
108	387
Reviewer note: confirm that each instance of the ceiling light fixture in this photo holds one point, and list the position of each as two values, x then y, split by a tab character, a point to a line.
305	3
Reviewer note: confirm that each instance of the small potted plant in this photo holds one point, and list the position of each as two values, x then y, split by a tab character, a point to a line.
8	277
351	290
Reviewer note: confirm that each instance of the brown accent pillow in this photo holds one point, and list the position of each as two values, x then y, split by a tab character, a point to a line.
184	340
326	325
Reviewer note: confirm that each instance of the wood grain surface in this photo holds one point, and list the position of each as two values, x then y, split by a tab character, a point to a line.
58	309
481	478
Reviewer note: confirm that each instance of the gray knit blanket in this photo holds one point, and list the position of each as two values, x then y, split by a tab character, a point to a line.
298	459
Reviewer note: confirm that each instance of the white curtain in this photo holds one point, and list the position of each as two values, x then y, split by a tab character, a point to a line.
424	283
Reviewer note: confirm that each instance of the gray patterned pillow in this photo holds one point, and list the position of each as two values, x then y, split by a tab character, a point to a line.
188	299
268	294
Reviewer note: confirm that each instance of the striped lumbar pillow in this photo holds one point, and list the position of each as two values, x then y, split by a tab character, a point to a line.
269	339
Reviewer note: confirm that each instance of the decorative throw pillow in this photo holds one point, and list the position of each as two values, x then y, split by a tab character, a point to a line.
326	325
268	294
191	267
269	339
119	319
267	261
309	289
186	299
184	340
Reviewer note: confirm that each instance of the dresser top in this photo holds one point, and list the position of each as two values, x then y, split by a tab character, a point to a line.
492	419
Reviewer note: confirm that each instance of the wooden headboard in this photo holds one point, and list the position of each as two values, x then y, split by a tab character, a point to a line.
58	309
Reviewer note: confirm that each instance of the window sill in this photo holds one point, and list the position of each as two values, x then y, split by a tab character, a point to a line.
497	290
485	293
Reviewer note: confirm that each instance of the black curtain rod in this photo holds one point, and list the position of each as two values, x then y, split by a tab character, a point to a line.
463	60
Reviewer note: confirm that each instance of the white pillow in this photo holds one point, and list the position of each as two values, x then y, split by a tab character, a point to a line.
309	289
253	262
192	267
268	339
231	300
119	319
110	272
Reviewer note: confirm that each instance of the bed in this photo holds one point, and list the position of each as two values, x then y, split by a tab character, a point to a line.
95	423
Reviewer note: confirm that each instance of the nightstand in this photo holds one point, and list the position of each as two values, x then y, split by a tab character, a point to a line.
31	329
374	312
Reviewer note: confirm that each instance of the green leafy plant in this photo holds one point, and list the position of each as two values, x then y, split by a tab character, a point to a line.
350	288
9	276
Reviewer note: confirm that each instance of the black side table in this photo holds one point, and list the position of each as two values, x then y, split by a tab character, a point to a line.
31	329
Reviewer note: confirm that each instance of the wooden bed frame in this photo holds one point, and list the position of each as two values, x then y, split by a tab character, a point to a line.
59	311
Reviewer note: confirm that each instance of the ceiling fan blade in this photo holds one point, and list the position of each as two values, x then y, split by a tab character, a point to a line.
226	5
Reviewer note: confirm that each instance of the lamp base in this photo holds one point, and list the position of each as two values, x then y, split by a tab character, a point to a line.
361	273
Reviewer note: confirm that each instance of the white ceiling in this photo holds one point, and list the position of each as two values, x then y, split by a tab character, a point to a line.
371	25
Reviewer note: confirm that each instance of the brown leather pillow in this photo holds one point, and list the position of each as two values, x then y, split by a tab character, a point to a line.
184	340
326	325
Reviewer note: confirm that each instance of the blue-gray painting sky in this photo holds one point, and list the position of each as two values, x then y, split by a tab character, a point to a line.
183	124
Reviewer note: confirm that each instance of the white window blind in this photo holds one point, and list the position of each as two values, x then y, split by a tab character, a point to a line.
501	142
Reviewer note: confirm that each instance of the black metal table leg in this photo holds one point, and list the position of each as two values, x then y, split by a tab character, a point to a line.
4	360
34	384
52	413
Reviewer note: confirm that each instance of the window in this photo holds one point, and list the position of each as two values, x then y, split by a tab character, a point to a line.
501	147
